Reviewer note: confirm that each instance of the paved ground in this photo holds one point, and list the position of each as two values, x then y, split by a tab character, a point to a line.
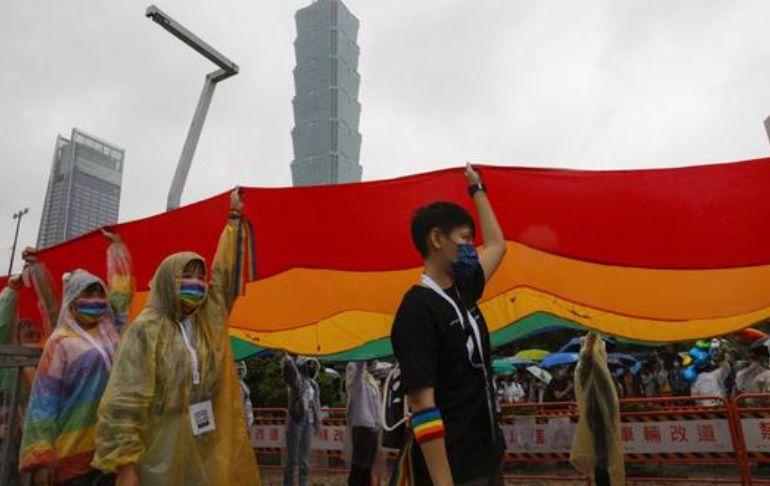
274	478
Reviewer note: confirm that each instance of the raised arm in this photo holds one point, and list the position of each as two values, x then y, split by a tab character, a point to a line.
42	282
234	263
290	371
586	365
8	309
491	255
121	282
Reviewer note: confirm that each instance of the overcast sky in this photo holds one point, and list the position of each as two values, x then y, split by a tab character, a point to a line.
583	84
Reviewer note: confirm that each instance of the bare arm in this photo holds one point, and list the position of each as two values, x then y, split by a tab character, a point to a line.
585	369
560	394
491	255
434	450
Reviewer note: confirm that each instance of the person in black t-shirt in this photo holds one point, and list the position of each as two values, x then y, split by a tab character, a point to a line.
442	345
561	388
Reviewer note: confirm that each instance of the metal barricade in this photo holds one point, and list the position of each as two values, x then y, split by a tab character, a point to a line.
658	431
752	424
536	435
268	437
13	361
668	431
685	431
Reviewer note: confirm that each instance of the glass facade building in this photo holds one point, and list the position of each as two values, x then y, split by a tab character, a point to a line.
326	140
83	188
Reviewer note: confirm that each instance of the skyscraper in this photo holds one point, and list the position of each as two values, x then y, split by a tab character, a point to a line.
326	140
83	188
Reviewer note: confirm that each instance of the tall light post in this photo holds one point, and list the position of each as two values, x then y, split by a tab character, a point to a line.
767	127
227	68
17	216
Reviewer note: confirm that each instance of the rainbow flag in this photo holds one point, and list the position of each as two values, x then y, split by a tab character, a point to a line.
649	255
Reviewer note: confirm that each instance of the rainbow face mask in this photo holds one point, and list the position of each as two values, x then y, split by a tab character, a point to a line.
90	310
191	293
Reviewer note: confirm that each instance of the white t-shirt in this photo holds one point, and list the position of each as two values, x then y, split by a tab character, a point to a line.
307	402
514	393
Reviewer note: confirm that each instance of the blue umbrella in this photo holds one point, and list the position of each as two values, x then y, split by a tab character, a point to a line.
559	359
621	359
572	346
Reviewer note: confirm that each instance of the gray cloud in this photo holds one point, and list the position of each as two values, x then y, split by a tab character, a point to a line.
595	84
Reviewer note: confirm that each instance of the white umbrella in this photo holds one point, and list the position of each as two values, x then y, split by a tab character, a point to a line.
540	374
332	372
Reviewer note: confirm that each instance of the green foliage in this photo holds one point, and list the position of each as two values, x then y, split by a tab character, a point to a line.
265	381
330	391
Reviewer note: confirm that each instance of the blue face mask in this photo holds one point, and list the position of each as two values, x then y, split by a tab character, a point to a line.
467	260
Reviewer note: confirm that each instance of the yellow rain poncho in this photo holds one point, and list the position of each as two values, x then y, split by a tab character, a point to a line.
144	416
597	437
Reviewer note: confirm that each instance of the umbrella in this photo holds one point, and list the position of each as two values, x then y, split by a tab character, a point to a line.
572	346
622	359
518	362
750	335
559	359
540	374
332	372
532	354
501	367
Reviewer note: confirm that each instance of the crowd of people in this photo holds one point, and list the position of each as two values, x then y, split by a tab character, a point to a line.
718	369
160	400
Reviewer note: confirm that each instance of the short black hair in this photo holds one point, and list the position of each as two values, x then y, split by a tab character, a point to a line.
445	216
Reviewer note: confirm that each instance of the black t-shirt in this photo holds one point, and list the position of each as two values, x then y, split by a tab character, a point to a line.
558	384
430	344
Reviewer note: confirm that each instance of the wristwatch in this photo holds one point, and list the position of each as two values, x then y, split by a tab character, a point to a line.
474	188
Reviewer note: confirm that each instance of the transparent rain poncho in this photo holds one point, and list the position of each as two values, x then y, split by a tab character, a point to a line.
8	311
597	436
72	374
144	416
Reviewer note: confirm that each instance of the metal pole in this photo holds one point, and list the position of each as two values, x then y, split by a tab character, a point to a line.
767	127
17	217
191	143
226	69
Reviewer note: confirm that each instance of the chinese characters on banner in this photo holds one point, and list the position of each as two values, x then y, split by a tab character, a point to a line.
555	436
329	438
756	433
526	436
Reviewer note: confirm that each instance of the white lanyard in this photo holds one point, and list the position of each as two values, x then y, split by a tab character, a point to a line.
431	284
106	356
184	326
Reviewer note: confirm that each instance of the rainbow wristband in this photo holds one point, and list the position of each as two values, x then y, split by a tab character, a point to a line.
427	425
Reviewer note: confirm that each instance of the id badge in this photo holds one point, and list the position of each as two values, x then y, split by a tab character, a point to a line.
202	417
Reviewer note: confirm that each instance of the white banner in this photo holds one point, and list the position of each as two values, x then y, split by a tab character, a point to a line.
555	436
756	434
712	435
329	438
